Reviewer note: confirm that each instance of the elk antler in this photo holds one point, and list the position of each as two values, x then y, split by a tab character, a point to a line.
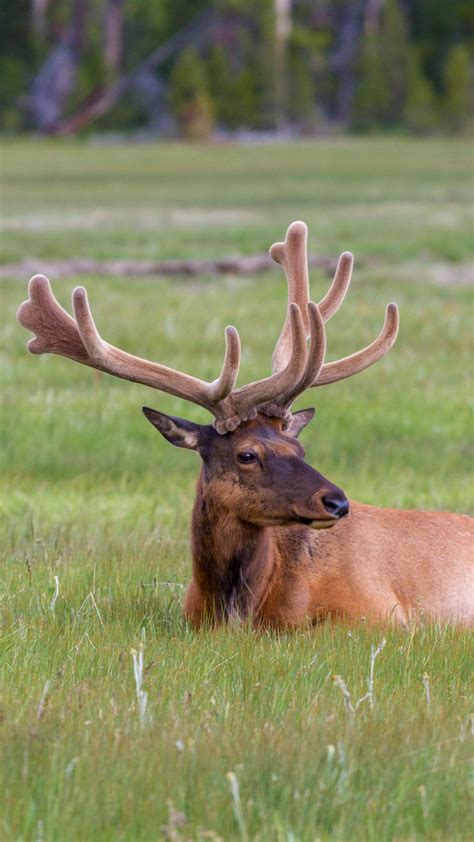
295	366
292	256
58	333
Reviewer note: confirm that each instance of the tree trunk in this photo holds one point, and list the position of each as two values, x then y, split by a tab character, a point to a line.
56	78
282	33
39	10
345	57
372	15
113	40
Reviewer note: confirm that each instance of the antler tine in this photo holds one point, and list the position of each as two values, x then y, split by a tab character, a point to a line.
248	397
130	367
339	286
316	354
56	332
291	254
314	363
92	341
346	367
223	386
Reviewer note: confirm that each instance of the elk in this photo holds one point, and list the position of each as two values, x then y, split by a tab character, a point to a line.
274	541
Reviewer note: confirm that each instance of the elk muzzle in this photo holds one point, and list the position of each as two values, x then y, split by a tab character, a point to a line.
336	503
325	508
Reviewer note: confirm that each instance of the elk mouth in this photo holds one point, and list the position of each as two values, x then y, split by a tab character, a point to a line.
316	523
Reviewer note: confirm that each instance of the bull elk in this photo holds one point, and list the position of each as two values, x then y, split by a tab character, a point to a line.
272	539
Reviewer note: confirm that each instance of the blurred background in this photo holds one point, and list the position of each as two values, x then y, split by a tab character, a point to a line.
196	69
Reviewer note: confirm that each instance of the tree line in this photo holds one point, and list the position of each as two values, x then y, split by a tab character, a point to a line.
190	68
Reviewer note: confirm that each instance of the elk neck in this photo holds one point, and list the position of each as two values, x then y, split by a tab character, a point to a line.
233	561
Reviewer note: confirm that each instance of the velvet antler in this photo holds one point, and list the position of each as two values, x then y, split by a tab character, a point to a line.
292	255
295	367
58	333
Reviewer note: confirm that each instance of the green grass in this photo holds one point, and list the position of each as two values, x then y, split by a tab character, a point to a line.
92	495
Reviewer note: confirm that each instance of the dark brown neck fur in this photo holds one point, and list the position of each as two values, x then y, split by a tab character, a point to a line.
232	560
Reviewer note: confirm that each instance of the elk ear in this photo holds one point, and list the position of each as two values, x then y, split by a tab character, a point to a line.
178	431
298	422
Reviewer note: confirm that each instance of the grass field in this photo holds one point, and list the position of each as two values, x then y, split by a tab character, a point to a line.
246	737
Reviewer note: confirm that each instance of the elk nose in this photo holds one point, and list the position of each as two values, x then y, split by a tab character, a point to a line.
336	503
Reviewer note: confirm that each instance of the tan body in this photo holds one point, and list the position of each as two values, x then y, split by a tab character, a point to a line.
380	564
385	564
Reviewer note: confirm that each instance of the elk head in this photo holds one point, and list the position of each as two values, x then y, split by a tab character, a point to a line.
252	441
258	471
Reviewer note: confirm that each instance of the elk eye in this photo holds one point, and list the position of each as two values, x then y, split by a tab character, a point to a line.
246	457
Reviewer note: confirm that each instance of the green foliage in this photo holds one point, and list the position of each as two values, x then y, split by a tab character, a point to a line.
301	101
242	76
262	83
16	38
176	13
271	100
420	114
146	26
91	75
457	100
189	96
234	92
221	86
372	101
19	52
246	99
383	80
92	495
12	85
435	26
395	47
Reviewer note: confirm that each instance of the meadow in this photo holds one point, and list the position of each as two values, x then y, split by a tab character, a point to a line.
244	736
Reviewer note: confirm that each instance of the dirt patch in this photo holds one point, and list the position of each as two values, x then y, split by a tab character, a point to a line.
250	265
430	274
439	274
